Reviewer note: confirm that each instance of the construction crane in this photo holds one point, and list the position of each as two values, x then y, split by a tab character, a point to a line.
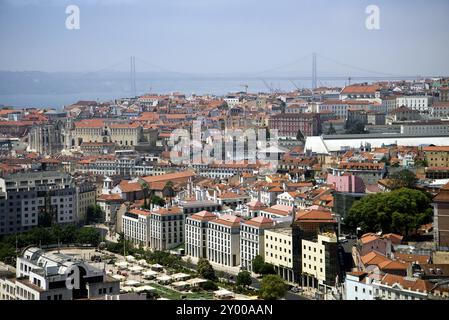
246	87
295	85
266	85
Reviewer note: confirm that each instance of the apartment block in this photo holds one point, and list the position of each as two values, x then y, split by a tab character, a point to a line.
136	227
437	156
278	250
27	197
166	228
223	236
196	241
319	260
252	239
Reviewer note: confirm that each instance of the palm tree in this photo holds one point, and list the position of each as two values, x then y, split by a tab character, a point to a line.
145	189
168	191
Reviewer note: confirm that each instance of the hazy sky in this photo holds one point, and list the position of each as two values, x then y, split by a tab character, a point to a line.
210	36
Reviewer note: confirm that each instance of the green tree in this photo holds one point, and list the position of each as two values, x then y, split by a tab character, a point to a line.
421	162
355	127
272	287
385	160
88	236
244	279
300	136
400	211
145	189
331	129
206	270
7	252
267	268
169	192
208	285
258	264
158	201
261	267
94	214
403	179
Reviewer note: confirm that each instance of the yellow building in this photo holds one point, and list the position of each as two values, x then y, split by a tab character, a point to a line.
88	130
125	134
314	256
437	156
100	131
278	251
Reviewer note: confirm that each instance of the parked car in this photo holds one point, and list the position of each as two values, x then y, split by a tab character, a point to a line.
296	289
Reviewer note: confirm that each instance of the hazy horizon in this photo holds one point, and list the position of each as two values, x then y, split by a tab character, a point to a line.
232	36
186	45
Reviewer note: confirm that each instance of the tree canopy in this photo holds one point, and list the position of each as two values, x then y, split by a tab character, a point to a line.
158	201
48	236
399	211
244	279
272	287
300	136
94	214
206	270
355	127
331	129
403	179
261	267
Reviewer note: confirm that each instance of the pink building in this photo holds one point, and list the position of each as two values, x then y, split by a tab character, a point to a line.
347	183
371	242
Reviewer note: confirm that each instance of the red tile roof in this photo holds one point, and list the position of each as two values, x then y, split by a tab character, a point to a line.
203	216
229	221
168	211
412	284
90	123
128	186
260	222
110	198
361	89
185	175
315	216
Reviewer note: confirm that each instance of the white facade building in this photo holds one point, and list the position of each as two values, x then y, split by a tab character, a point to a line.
166	228
363	286
44	276
231	101
136	226
223	237
196	234
358	286
420	103
252	240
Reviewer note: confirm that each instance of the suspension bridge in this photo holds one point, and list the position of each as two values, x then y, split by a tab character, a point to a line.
315	71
